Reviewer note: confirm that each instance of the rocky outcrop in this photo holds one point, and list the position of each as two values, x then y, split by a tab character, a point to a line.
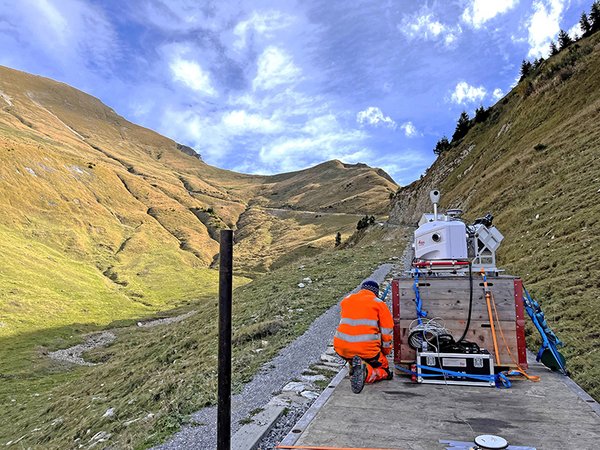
189	151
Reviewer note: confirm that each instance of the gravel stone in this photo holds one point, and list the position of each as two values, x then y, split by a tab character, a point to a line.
312	378
165	321
282	427
310	395
289	364
328	368
294	387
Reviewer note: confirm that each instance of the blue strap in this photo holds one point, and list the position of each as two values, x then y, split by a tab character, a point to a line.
535	310
418	302
500	380
549	339
385	293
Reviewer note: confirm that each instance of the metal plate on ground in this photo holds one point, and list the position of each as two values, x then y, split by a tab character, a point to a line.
463	445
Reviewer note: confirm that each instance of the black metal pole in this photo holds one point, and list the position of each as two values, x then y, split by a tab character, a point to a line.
224	391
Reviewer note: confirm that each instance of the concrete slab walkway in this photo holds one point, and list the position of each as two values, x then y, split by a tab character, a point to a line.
548	415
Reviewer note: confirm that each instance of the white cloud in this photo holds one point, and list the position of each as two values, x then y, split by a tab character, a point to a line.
544	25
425	26
405	164
320	138
479	12
293	153
260	23
240	121
465	93
275	67
321	125
497	94
374	116
518	39
73	34
55	20
409	129
192	75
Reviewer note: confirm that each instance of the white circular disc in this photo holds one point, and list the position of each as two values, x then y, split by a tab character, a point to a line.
489	441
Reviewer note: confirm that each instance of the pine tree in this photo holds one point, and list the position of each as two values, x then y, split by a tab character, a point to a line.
481	114
525	69
585	24
462	127
553	48
595	16
564	40
442	146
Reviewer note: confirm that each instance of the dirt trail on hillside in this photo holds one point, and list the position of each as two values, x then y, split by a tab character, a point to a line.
300	211
74	354
289	364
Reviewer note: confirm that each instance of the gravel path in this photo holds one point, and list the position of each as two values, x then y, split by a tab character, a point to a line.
282	427
289	364
73	354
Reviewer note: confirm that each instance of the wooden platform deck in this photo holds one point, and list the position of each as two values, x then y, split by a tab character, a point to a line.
553	414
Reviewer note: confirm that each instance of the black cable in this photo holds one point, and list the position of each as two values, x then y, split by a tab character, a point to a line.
470	303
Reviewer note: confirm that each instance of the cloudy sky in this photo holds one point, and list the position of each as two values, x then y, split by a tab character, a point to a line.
264	86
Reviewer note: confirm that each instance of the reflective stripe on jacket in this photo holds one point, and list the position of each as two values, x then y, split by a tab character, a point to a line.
365	327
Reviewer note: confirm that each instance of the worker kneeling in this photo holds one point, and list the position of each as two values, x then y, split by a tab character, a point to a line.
364	336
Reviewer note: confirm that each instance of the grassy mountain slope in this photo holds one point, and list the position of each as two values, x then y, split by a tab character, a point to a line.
104	222
83	186
534	164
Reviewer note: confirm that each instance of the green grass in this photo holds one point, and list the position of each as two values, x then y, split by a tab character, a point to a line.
155	377
49	299
72	291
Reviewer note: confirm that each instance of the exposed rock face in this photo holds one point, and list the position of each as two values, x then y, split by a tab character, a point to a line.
189	151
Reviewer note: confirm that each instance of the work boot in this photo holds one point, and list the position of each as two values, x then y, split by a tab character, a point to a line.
390	374
359	373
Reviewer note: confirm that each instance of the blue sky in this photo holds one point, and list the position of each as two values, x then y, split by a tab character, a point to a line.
269	86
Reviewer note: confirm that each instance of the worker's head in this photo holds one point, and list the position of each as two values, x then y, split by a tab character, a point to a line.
372	286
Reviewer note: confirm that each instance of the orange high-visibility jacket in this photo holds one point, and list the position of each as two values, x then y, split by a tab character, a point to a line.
365	327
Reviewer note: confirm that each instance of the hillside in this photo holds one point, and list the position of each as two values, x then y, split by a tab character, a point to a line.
105	223
534	164
97	210
154	378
